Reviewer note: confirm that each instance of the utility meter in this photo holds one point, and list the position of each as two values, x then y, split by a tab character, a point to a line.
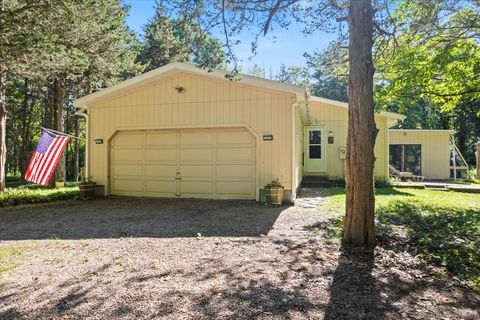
343	153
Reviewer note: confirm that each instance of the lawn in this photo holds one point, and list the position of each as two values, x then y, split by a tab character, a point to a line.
442	227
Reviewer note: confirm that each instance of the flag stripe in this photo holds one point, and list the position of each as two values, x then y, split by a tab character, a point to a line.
46	157
53	163
46	160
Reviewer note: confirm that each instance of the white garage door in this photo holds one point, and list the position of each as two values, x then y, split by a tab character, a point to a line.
190	163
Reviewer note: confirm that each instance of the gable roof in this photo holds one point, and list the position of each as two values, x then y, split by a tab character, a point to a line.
175	67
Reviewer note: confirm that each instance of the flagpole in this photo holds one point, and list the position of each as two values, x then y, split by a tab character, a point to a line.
62	133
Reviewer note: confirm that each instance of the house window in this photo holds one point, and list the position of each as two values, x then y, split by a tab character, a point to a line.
406	157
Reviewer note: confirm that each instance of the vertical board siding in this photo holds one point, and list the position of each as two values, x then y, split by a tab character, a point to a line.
205	102
335	119
435	150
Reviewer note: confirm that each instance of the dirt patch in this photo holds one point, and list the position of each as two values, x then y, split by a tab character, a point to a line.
250	261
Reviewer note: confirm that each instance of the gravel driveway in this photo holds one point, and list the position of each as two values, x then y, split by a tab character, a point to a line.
130	258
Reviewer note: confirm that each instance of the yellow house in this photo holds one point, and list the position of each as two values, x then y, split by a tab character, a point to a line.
180	131
426	153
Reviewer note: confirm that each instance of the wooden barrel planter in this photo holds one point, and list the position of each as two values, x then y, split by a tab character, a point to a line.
87	190
275	195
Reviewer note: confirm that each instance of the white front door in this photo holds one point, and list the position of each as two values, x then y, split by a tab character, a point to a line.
314	141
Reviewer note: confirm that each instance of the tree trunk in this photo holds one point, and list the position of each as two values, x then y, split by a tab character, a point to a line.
25	132
3	128
359	223
58	121
76	163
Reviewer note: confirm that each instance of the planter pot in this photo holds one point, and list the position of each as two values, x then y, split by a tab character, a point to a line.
274	195
59	184
87	190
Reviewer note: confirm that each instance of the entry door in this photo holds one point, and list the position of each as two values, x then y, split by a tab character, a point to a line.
314	149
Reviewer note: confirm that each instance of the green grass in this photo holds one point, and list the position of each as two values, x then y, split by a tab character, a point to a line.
9	258
444	227
35	194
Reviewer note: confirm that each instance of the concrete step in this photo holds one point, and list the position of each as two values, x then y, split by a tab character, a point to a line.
315	182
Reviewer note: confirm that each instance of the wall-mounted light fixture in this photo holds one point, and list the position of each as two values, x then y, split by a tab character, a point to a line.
330	137
267	137
180	89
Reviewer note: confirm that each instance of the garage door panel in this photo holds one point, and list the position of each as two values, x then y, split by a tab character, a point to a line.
196	138
161	186
135	170
236	154
128	185
128	139
165	154
193	171
196	187
159	170
195	155
234	171
129	154
158	138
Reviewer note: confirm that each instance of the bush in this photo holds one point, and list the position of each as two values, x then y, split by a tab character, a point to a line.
28	194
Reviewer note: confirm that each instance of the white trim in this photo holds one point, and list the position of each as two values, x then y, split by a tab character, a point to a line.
188	68
306	145
294	152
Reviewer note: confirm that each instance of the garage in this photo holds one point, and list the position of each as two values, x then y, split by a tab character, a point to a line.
215	163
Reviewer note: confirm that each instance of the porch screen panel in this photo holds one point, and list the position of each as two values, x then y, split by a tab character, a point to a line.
406	157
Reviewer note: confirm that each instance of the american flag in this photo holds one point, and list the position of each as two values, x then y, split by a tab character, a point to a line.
46	157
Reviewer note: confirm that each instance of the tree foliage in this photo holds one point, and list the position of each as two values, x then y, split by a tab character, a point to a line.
169	40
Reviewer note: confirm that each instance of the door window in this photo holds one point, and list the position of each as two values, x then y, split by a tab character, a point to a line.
315	144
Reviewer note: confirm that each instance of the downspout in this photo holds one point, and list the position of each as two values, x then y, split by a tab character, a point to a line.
82	112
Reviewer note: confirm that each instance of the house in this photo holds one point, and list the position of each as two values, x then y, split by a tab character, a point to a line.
180	131
427	153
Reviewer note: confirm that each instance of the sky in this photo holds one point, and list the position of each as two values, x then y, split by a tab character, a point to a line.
280	46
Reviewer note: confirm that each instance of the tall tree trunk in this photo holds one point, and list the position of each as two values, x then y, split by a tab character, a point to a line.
76	163
25	132
58	123
3	128
359	223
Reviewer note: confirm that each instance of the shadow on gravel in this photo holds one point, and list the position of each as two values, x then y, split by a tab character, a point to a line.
353	293
120	217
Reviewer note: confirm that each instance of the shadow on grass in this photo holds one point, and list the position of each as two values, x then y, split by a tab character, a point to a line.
446	236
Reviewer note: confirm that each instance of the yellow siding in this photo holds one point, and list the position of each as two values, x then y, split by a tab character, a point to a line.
435	150
206	102
335	119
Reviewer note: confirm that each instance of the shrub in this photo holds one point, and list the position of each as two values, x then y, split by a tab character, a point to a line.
28	194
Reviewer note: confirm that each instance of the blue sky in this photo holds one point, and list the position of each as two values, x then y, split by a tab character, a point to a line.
280	46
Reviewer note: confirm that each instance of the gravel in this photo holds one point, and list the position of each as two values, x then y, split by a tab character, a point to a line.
135	258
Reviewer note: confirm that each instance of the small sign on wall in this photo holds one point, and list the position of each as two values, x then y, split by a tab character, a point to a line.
98	141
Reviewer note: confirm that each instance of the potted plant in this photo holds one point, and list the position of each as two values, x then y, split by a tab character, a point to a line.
274	192
59	183
86	186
